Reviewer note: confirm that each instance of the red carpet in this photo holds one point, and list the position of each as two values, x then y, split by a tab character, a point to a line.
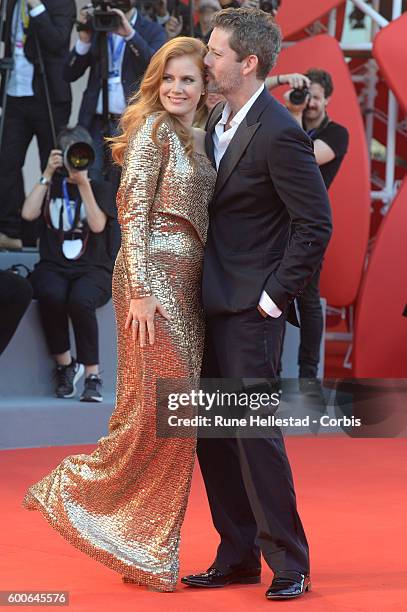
353	501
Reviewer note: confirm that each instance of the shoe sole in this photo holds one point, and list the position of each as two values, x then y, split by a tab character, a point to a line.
91	399
77	377
249	580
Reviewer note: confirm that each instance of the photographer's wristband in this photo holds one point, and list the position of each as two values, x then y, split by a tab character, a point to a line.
43	181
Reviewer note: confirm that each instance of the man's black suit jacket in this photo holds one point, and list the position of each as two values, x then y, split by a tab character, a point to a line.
148	38
53	28
270	219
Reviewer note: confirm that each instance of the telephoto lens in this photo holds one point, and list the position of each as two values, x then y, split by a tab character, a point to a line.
79	156
77	148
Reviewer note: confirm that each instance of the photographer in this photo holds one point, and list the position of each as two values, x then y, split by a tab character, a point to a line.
74	275
130	48
173	15
308	102
206	11
31	28
268	6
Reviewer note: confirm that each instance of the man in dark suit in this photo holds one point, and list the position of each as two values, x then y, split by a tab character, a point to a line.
270	223
130	49
31	25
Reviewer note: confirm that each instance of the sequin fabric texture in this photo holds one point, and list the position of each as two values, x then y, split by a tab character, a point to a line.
125	502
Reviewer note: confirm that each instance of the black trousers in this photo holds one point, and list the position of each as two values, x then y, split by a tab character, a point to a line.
74	294
312	323
25	117
248	480
15	297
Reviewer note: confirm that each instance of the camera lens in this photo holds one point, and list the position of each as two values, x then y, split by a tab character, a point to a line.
298	96
80	156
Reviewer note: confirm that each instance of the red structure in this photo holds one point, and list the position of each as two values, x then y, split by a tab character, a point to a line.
380	342
350	192
294	17
378	291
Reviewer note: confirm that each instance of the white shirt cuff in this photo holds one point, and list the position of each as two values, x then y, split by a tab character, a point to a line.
162	20
37	10
269	306
130	36
82	48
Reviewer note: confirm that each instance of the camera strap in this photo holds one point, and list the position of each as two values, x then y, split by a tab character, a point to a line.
74	241
73	219
116	52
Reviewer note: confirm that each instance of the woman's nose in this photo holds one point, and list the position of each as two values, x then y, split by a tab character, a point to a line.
177	86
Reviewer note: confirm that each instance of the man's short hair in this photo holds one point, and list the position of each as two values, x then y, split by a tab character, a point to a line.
323	78
252	32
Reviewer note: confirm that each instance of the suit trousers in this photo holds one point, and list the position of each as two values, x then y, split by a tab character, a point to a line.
248	479
25	117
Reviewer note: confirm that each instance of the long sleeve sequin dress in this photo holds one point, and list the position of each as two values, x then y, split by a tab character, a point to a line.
125	502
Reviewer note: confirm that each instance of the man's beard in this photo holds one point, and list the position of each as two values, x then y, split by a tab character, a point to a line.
226	85
314	113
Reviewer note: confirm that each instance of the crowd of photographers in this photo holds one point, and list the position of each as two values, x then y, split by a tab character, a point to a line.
70	212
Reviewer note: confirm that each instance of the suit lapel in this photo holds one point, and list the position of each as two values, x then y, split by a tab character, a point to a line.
138	26
234	152
240	140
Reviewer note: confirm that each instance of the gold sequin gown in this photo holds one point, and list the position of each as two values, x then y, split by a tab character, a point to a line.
125	502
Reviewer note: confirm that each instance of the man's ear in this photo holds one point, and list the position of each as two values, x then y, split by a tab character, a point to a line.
327	101
249	64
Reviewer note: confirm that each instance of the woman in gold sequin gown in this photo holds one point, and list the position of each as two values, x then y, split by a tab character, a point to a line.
125	502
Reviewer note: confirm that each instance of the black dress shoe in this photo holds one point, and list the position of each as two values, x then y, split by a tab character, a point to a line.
215	578
288	588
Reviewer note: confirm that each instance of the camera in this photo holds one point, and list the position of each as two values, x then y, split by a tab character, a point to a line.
100	19
269	6
77	148
298	96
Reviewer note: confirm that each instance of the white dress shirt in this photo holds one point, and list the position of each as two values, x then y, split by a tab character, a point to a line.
117	99
221	141
21	77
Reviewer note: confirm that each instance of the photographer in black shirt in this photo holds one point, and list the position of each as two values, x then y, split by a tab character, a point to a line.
74	275
330	146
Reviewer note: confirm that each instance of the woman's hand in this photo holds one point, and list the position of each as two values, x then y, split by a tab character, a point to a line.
54	162
141	318
78	177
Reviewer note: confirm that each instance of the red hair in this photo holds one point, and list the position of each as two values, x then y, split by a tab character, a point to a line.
147	100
